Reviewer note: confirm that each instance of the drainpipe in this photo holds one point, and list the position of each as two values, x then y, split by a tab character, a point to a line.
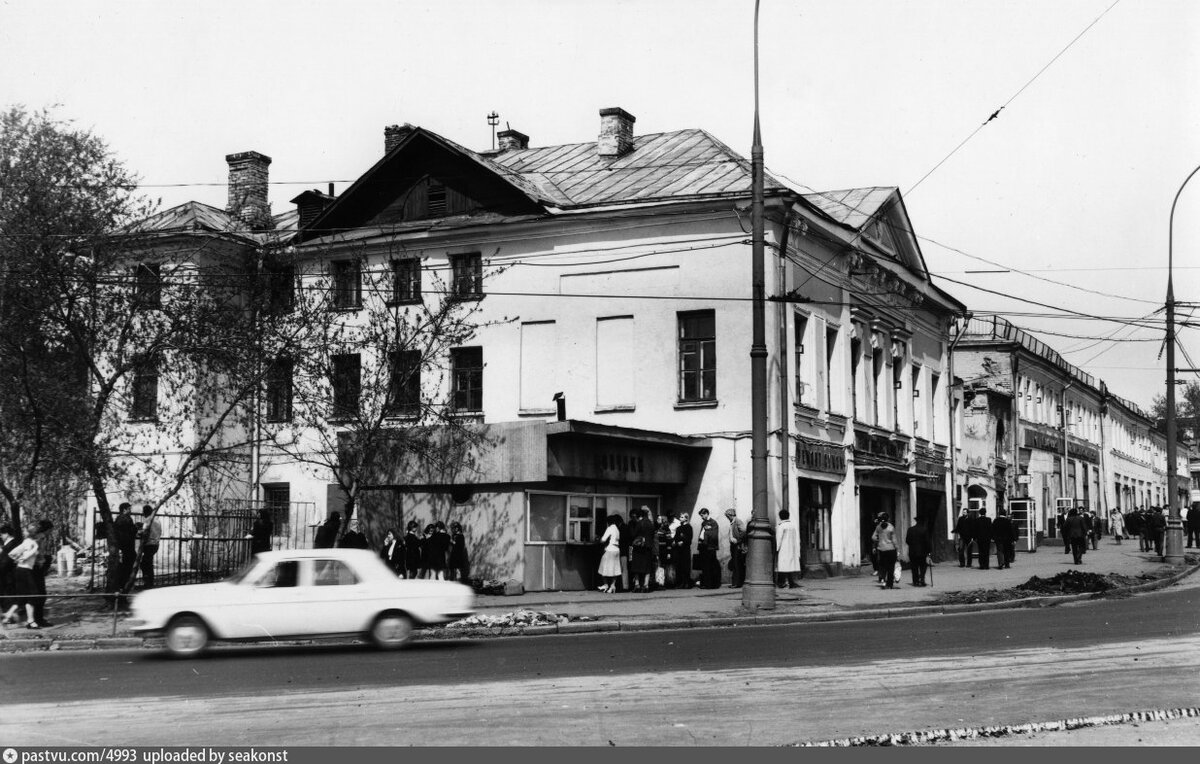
785	413
953	422
1062	478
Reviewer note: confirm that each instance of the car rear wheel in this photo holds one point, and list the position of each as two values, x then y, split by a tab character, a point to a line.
391	631
187	635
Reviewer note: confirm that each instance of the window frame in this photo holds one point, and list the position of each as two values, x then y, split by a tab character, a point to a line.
143	393
344	294
279	390
343	385
147	286
466	276
600	505
690	382
472	375
406	282
404	399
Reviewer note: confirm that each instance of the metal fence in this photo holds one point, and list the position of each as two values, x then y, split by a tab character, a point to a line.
202	547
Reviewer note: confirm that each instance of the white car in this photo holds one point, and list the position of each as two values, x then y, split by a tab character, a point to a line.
300	593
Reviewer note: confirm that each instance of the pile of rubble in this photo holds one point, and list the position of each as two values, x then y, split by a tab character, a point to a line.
516	620
1070	582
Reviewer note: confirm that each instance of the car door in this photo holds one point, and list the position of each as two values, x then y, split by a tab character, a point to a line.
270	602
336	598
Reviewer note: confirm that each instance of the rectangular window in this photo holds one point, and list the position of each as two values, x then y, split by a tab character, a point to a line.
831	368
877	378
615	362
404	383
934	397
466	274
280	288
147	285
279	391
697	356
581	520
144	403
347	385
917	401
855	377
578	518
347	284
277	499
804	391
466	379
897	391
545	524
406	281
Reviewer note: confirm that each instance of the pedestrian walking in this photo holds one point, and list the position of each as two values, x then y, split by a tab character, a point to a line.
392	553
1116	523
1147	528
787	552
610	560
458	560
706	547
983	539
150	536
261	531
1004	533
1093	526
641	560
964	533
412	549
1074	531
681	552
737	549
919	547
22	592
1193	526
883	541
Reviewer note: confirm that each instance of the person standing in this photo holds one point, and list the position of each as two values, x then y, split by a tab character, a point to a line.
1116	521
983	539
261	531
24	592
126	536
1193	526
353	537
1004	533
1061	523
884	543
437	549
787	551
412	549
151	535
458	560
706	547
963	529
737	549
1147	534
392	553
610	560
328	531
1074	532
1133	524
664	574
919	547
626	536
681	552
1158	527
641	560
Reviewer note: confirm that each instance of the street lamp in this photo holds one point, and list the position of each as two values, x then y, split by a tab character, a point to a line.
758	591
1174	549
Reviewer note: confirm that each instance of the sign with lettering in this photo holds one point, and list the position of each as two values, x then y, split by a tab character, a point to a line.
880	447
821	457
1052	441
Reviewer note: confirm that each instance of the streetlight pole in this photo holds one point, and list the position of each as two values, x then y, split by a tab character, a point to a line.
1174	550
758	591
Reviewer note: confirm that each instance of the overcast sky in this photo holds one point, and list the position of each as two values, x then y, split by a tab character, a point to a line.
1072	182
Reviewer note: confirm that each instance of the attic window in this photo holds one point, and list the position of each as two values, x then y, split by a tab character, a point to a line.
437	200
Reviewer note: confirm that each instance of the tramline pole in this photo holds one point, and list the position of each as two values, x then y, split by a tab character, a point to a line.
758	591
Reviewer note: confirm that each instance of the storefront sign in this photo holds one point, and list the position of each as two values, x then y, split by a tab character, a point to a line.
930	471
821	457
1048	441
880	446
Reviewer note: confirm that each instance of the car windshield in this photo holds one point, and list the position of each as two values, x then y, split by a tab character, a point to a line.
241	575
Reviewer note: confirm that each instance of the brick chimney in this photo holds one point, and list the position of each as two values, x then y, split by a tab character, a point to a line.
393	135
248	189
616	132
511	140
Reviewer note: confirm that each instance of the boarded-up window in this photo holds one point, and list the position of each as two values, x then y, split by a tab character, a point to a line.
614	362
539	362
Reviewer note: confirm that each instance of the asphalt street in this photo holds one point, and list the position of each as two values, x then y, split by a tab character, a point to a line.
809	681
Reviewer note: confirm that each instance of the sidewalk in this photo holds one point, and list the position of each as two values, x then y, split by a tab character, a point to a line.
85	627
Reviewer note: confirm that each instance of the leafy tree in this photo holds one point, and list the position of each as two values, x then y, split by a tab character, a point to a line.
1187	407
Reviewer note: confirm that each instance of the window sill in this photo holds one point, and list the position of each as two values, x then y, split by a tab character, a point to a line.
279	420
466	297
344	308
614	409
400	303
467	416
399	416
537	412
680	405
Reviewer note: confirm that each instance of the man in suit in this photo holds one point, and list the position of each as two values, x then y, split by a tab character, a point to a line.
983	539
1004	533
1193	526
737	549
919	547
964	530
1074	533
681	552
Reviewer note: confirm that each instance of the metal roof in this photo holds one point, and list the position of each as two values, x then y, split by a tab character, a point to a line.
663	166
852	207
191	217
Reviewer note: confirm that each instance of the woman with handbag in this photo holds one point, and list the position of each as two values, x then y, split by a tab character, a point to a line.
610	561
884	544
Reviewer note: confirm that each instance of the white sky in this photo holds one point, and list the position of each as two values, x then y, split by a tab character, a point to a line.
1073	181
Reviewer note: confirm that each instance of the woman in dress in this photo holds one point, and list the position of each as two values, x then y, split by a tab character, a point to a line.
610	562
437	547
412	549
458	562
1116	521
23	554
641	561
787	551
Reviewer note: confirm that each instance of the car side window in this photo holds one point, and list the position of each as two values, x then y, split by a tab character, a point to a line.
284	574
333	573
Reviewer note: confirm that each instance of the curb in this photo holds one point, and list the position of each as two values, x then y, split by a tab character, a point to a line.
600	626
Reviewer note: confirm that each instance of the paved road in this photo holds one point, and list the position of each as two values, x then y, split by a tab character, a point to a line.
791	683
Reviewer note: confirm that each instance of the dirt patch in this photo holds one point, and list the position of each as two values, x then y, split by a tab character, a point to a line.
1070	582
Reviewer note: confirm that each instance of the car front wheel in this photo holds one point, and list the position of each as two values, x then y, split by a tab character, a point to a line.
391	630
187	635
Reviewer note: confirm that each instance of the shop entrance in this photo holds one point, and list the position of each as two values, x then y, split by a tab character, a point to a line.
872	501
